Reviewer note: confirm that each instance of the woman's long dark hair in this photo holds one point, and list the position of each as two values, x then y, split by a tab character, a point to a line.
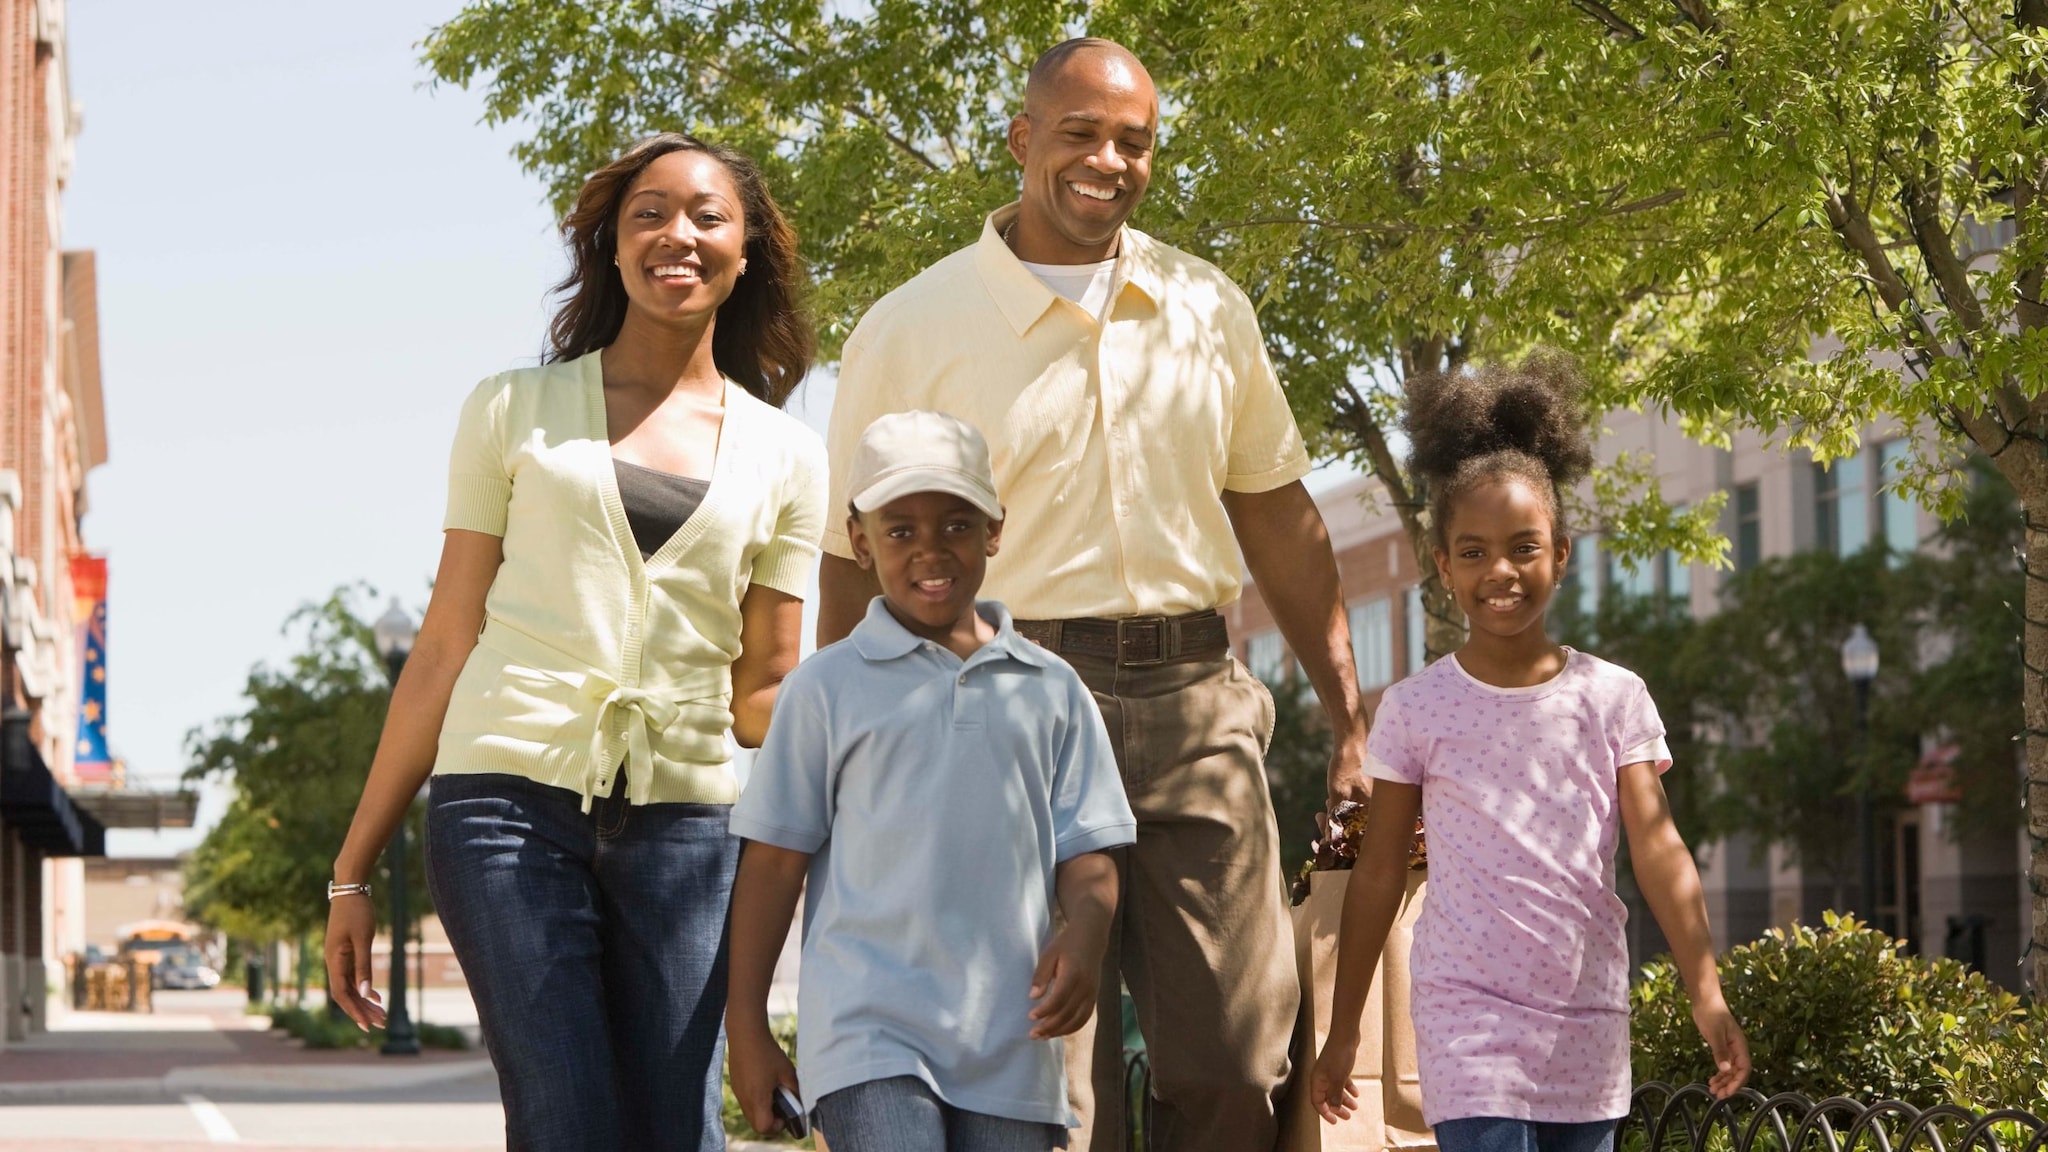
762	338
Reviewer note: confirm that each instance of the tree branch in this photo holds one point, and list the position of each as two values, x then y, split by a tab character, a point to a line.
1616	26
1698	14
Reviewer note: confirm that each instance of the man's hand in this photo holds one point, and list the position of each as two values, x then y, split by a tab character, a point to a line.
1348	780
758	1064
1069	975
1731	1048
1330	1085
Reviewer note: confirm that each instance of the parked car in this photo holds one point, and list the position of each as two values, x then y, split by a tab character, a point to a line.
185	972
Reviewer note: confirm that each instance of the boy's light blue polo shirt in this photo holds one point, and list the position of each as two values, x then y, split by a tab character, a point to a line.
936	796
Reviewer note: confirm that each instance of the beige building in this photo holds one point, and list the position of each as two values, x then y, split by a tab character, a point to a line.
1947	896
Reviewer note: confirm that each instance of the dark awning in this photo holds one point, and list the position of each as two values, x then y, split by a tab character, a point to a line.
35	805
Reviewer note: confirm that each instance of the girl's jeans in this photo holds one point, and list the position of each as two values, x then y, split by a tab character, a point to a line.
1493	1134
594	946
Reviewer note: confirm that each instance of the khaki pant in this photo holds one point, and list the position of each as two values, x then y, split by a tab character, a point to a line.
1201	936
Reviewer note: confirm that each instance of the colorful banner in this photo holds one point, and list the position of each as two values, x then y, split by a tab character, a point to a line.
91	762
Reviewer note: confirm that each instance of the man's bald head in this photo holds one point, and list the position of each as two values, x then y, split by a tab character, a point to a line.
1085	142
1091	60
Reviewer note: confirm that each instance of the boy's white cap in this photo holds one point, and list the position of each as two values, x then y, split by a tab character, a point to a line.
906	452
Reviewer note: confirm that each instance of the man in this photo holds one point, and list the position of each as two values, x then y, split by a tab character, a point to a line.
1142	442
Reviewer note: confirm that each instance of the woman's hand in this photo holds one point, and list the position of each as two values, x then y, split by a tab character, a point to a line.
1731	1048
351	924
758	1064
1330	1085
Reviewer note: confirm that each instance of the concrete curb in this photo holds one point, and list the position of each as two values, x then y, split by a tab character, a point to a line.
76	1091
250	1079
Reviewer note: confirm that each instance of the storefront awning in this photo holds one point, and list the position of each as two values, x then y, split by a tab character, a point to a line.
137	807
35	805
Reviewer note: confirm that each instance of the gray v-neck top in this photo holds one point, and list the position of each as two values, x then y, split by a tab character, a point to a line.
658	504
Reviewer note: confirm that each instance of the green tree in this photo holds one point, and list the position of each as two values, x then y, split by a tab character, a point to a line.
1762	721
883	130
1768	673
1794	216
296	755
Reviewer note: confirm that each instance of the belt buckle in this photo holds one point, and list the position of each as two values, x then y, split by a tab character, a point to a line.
1127	632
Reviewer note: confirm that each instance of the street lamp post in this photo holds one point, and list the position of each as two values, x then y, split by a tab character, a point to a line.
395	633
1859	664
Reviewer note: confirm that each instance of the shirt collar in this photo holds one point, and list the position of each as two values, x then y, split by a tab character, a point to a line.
880	636
1023	298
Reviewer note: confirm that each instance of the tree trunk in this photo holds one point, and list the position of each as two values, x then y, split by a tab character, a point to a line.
2034	698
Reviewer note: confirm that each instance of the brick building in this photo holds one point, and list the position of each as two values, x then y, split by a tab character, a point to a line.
52	433
1964	897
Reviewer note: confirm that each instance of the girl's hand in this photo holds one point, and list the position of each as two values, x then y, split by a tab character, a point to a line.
1330	1086
758	1064
1068	976
1730	1047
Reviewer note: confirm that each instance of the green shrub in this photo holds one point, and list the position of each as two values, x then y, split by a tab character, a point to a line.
1839	1011
442	1036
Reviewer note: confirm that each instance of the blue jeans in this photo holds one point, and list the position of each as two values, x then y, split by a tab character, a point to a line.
1494	1134
903	1114
594	945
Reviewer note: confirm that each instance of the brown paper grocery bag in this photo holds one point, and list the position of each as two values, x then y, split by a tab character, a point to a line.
1389	1114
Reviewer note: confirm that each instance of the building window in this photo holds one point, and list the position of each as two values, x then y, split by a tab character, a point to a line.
1266	655
1898	518
1749	527
1677	577
1416	623
1841	505
1583	572
1372	641
1636	578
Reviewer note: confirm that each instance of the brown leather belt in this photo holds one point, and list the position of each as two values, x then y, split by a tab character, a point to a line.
1132	641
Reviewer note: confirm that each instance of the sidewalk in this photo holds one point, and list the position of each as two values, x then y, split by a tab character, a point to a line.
201	1042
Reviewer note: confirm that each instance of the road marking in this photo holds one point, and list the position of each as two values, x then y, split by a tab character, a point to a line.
212	1119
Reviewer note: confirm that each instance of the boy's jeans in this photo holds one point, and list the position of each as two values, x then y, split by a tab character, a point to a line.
594	946
1202	935
902	1114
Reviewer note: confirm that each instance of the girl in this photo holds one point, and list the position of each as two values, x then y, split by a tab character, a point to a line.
630	527
1527	759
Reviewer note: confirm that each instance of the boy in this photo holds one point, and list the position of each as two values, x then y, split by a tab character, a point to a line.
943	784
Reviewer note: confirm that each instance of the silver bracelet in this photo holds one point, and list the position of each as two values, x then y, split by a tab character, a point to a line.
334	890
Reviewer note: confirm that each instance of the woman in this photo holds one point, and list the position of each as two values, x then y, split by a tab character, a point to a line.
629	528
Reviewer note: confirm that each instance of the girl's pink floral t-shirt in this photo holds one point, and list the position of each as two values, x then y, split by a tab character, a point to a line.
1520	964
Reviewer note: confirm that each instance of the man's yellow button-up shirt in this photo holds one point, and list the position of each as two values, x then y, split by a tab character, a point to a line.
1113	439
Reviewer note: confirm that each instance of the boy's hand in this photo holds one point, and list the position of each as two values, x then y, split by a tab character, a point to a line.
758	1064
1730	1047
1330	1085
1068	977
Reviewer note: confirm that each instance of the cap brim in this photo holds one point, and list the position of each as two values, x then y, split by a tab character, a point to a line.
910	481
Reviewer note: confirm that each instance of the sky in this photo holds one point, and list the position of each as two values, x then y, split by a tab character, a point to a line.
307	256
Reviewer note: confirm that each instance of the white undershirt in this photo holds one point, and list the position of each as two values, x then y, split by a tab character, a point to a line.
1084	284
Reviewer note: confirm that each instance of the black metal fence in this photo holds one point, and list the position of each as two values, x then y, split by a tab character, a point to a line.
1662	1118
1666	1119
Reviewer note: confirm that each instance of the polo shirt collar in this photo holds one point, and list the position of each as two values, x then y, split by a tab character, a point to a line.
880	636
1023	298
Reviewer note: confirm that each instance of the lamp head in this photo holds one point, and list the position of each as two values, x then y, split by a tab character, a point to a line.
1859	656
395	631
